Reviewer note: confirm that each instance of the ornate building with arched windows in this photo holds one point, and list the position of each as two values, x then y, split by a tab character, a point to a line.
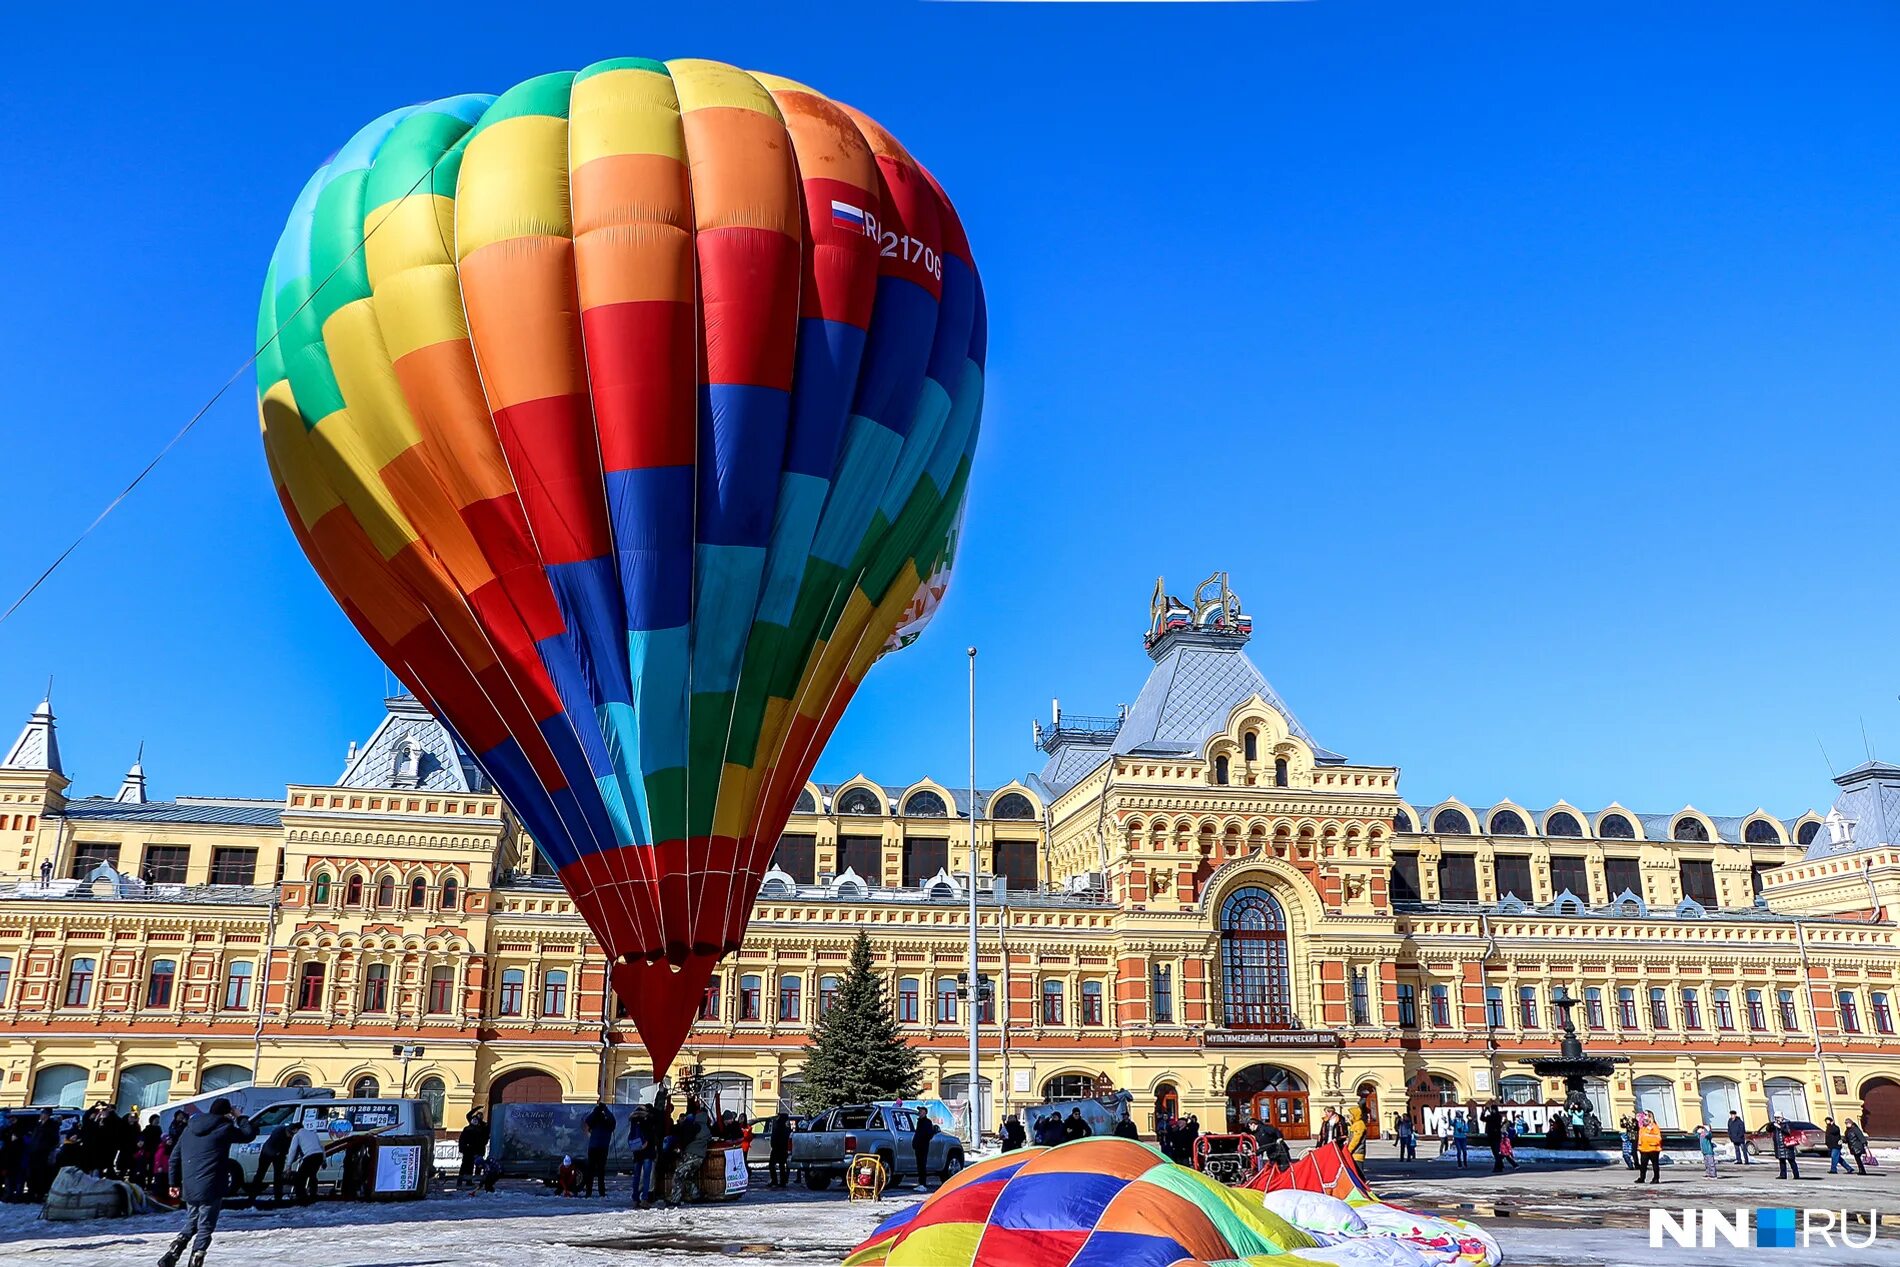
1193	899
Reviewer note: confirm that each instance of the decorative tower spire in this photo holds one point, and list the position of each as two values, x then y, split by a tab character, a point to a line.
132	791
37	748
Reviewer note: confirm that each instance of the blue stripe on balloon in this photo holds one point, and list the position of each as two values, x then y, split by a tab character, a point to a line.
579	802
959	430
588	593
360	150
658	658
291	259
824	380
870	450
933	407
651	509
801	500
956	314
508	768
1129	1249
741	449
728	591
896	352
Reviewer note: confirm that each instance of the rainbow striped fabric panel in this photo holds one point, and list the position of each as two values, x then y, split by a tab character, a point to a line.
628	416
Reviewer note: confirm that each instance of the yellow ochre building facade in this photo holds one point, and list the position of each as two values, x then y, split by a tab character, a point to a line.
1192	901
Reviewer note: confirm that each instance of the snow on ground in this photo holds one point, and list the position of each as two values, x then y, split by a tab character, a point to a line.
1545	1216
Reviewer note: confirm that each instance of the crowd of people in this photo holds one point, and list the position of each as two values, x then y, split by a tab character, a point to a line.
100	1142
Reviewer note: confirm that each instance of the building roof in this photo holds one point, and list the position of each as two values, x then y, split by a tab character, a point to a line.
412	749
37	748
1866	815
1729	829
184	810
1199	679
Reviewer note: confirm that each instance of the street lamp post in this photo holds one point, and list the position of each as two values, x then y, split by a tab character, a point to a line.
976	980
406	1052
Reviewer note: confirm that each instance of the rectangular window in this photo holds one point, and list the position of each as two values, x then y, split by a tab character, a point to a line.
232	865
165	864
1514	876
1494	1006
1626	1008
1091	1002
514	984
827	994
1593	1008
790	1001
1698	880
1883	1011
1405	878
1163	994
1527	1007
924	856
1755	873
1658	1009
158	988
237	987
1361	999
946	1002
376	988
1458	877
1850	1013
554	994
986	996
864	855
1441	1007
749	998
907	1000
1691	1010
79	983
1785	1000
1052	1003
441	991
1016	863
709	1001
1724	1011
1757	1018
6	979
1621	875
1570	873
797	856
88	855
310	988
1408	1005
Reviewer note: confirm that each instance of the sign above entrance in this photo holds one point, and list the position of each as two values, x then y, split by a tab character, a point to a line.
1271	1038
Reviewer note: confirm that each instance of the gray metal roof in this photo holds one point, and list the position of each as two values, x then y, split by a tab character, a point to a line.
1866	815
37	748
412	749
105	809
1729	829
1197	682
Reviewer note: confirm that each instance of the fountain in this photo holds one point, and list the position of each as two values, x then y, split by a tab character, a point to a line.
1576	1125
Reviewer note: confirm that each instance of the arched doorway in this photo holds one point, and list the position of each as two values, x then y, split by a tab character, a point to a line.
223	1077
1269	1093
1720	1097
1428	1098
143	1087
1167	1106
1788	1097
1069	1086
1880	1108
525	1086
1369	1107
1256	988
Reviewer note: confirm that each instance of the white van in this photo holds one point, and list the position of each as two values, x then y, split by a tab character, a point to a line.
246	1097
334	1117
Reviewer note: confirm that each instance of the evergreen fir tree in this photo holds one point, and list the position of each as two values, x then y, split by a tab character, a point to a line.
857	1053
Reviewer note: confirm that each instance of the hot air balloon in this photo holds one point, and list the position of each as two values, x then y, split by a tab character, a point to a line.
628	416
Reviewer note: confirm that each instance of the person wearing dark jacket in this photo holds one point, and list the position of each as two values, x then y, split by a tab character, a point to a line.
1125	1127
71	1153
1856	1141
920	1147
1075	1126
1013	1135
1738	1138
200	1177
1832	1138
600	1137
471	1143
271	1158
1782	1135
41	1146
779	1168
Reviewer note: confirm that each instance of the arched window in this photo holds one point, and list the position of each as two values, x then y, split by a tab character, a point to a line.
860	800
433	1092
376	988
1402	821
1257	989
450	894
1451	822
1220	771
1508	822
1615	827
297	1082
418	893
320	889
926	805
1761	832
1562	823
1806	833
60	1087
386	891
1281	773
1688	828
1012	805
353	891
366	1088
807	803
1069	1086
1250	744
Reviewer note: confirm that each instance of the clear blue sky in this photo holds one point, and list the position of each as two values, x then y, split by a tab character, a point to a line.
1531	368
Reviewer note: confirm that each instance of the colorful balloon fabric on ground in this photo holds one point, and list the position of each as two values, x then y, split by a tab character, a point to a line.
628	415
1101	1202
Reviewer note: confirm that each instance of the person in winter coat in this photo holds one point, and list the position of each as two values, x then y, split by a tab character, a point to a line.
1273	1149
1356	1134
305	1158
199	1175
1648	1148
1738	1138
40	1151
643	1137
692	1137
779	1168
567	1179
1407	1137
1492	1122
1125	1127
1075	1126
72	1153
1705	1140
1013	1134
271	1159
1461	1138
471	1143
600	1136
1856	1141
1783	1137
920	1148
1831	1136
1627	1128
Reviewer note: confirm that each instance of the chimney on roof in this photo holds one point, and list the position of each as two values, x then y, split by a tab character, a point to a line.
132	791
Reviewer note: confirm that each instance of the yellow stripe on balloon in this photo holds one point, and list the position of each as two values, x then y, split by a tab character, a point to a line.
286	439
419	308
513	184
406	233
624	112
704	85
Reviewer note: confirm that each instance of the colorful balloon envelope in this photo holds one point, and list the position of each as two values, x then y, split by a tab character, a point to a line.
628	415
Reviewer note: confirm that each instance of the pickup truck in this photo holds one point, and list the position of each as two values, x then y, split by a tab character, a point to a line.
823	1146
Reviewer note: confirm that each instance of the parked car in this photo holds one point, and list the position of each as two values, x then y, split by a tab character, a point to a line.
379	1116
823	1146
1807	1138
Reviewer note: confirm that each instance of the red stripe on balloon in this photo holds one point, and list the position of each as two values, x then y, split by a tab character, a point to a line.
749	304
552	452
640	359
